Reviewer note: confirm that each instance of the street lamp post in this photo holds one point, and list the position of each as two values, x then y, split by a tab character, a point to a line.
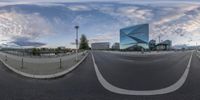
159	38
76	27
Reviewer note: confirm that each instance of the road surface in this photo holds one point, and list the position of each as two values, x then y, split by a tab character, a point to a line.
124	71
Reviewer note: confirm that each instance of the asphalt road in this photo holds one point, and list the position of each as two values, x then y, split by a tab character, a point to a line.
142	72
129	72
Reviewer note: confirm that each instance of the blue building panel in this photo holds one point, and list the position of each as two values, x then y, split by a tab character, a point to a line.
134	36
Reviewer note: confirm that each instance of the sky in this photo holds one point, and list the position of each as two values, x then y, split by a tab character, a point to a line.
50	23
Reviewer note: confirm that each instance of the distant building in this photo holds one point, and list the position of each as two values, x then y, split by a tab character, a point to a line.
62	48
134	37
165	45
100	46
115	46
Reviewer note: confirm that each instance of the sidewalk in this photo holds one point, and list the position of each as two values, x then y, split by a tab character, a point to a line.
41	66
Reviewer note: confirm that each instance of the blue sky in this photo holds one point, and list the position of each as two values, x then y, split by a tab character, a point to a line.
51	23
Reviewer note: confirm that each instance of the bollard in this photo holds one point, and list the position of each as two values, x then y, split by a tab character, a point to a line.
60	63
22	64
6	58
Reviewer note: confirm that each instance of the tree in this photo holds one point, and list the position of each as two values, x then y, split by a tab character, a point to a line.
35	51
58	50
83	43
152	44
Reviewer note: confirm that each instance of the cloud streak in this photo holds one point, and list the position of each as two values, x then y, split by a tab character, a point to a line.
101	21
15	25
25	42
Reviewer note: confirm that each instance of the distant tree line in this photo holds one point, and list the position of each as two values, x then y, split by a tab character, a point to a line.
39	51
83	46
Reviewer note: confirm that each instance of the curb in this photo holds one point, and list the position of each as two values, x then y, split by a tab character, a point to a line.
44	76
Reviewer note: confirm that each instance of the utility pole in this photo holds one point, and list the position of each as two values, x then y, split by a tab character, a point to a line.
159	38
77	27
196	46
60	63
22	64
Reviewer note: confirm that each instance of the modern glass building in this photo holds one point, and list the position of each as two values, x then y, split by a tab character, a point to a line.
134	36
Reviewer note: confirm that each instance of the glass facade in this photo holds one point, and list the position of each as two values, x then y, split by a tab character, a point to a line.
134	36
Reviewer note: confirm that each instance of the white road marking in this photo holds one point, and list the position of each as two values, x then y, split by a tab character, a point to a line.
118	90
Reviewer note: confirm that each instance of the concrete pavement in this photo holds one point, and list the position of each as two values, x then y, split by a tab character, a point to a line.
41	67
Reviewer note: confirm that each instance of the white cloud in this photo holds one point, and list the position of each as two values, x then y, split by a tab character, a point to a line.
79	8
174	13
182	30
105	37
127	15
171	21
15	25
168	19
135	14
